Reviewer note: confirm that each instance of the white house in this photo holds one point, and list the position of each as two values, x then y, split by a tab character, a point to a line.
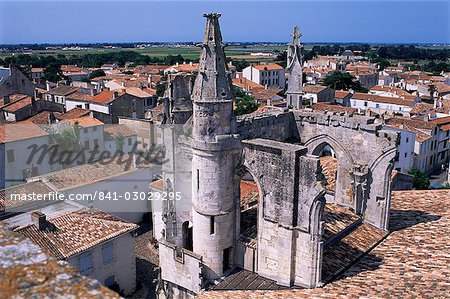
18	141
98	244
364	101
405	157
120	136
270	75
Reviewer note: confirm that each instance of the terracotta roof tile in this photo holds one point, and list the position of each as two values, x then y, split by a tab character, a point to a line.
72	233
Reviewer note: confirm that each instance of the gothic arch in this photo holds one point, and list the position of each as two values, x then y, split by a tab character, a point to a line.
379	199
344	193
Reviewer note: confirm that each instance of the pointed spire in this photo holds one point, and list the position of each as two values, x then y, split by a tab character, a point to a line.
212	82
294	48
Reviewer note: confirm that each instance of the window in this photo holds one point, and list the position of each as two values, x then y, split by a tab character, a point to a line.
211	225
10	155
23	81
198	179
406	155
85	263
129	141
94	128
86	145
85	130
107	253
407	139
95	143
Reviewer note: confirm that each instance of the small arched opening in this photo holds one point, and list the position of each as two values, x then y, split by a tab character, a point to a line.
329	164
249	203
187	235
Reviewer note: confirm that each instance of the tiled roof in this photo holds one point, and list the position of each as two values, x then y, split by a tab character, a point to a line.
112	131
104	97
264	93
314	88
441	120
79	96
158	184
85	174
141	92
63	90
185	67
412	261
74	113
17	105
85	121
323	106
268	67
13	98
42	118
26	272
6	202
340	94
245	83
329	169
249	193
20	131
72	233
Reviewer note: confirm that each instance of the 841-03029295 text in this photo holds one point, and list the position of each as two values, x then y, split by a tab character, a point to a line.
136	195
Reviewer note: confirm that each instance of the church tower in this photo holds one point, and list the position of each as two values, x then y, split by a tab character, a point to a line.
294	71
215	148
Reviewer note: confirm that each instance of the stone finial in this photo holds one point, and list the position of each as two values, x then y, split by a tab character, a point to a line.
296	37
212	82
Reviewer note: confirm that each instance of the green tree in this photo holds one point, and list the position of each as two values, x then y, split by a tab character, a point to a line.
120	141
245	105
53	73
160	89
96	73
66	143
344	81
420	179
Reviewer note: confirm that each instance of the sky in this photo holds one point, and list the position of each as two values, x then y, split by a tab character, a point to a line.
386	21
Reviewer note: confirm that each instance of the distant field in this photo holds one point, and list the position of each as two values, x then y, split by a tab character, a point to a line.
187	52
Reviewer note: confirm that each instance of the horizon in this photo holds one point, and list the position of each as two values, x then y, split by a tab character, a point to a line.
98	22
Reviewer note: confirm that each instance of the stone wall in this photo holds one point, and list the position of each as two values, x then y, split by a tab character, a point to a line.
274	126
181	266
289	183
365	154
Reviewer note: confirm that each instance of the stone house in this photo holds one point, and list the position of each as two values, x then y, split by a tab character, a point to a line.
14	81
317	93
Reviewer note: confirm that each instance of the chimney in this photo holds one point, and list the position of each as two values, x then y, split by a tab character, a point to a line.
94	92
190	63
39	220
36	94
6	99
115	95
150	78
47	86
177	64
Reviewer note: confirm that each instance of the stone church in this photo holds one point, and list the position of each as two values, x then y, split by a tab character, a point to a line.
284	236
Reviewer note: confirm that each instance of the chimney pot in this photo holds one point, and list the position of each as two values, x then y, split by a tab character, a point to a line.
6	99
115	94
39	219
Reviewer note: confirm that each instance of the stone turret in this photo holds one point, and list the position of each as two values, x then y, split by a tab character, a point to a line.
215	149
294	71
